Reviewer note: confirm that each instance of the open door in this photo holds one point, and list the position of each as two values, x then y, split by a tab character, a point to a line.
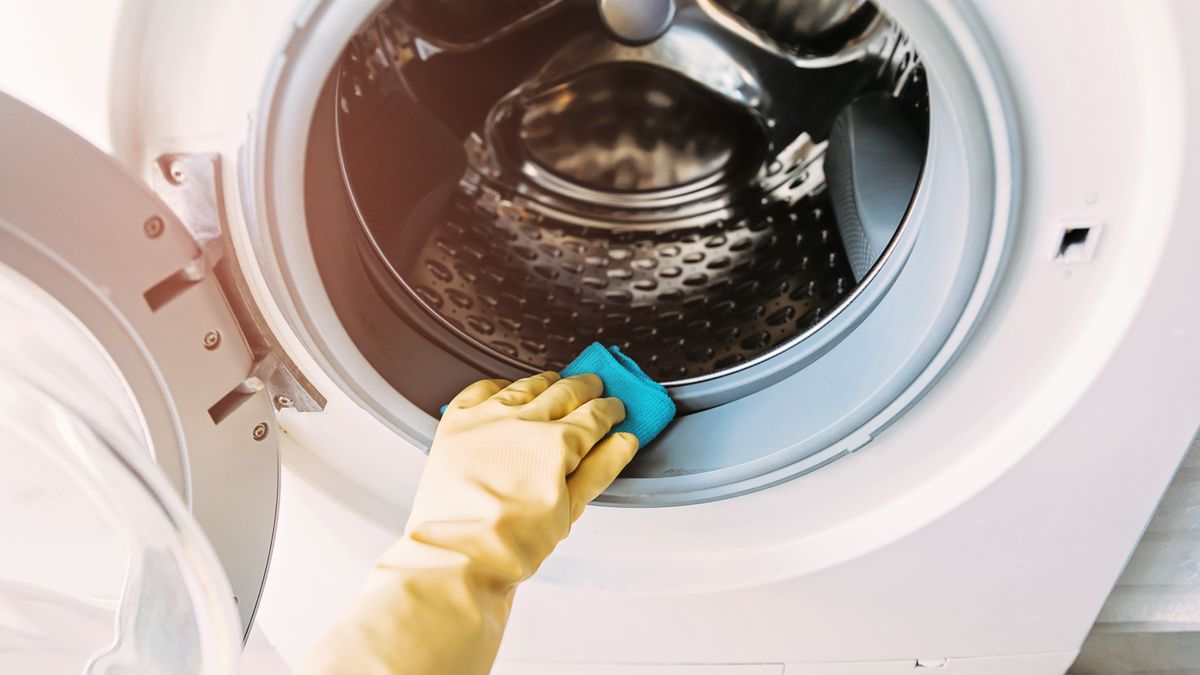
104	571
146	288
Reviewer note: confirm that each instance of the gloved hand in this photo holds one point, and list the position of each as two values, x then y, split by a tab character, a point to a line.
512	466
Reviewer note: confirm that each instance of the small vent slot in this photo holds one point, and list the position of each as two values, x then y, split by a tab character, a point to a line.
1077	243
230	402
168	289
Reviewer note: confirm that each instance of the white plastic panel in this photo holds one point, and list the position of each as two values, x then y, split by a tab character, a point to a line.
1005	481
635	669
57	55
1151	620
1053	663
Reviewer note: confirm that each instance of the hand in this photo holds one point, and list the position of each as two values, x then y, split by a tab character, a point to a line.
513	465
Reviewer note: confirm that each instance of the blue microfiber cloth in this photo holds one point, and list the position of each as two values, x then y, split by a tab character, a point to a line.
648	408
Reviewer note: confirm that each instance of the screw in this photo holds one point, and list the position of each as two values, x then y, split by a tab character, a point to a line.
283	401
153	227
211	339
260	431
178	177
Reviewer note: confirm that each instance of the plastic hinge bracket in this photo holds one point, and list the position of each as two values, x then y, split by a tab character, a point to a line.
190	185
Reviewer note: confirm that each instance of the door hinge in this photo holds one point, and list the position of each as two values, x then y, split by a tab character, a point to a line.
190	185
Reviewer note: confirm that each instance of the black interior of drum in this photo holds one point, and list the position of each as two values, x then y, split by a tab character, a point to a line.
685	301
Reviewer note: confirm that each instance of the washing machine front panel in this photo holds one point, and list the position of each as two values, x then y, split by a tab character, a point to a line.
996	455
883	347
1056	320
144	285
402	376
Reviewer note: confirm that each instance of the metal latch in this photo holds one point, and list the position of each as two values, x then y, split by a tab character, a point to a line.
190	184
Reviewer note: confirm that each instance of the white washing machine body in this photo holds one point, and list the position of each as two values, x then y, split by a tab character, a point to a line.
976	525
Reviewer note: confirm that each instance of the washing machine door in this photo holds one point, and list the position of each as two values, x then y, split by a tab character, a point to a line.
104	570
146	288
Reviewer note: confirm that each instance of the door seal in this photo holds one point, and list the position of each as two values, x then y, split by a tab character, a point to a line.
190	184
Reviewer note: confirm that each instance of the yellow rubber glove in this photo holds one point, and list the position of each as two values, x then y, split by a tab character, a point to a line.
512	466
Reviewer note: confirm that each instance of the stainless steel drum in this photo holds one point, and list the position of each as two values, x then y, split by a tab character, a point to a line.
530	182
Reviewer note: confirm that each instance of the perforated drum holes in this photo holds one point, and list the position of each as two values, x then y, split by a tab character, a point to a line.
659	296
628	198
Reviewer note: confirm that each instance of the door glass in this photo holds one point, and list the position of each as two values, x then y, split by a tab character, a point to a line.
103	569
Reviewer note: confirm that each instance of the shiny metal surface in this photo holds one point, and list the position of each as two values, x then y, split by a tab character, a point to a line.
467	24
808	33
798	21
684	302
637	22
630	129
655	197
613	118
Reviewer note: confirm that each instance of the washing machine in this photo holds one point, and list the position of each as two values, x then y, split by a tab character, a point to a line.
917	273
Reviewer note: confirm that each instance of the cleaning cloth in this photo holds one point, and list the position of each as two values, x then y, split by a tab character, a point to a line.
648	408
